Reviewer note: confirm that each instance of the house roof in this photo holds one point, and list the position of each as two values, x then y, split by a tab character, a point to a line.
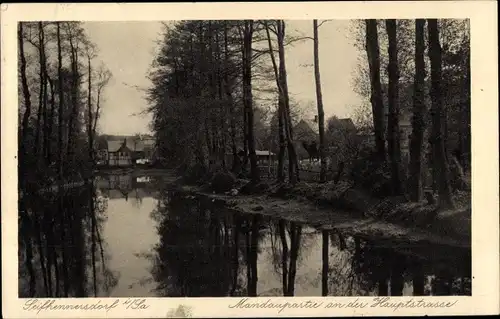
347	124
312	125
135	145
101	143
114	146
306	130
131	144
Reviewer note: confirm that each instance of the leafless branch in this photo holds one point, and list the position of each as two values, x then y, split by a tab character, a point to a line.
298	39
322	22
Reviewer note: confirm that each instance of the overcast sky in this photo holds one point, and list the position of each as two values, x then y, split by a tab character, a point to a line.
128	48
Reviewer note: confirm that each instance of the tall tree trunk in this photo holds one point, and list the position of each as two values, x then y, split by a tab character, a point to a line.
50	124
373	52
248	99
293	166
393	135
97	110
319	99
60	123
220	98
212	91
229	99
464	131
281	140
418	124
440	166
281	137
46	139
27	104
75	77
89	106
41	130
38	133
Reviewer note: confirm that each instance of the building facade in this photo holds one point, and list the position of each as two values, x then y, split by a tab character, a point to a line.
125	151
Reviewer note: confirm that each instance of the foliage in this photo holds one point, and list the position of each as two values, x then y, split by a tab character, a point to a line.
371	175
222	182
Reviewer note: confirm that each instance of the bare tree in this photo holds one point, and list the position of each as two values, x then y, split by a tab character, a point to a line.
90	52
27	98
293	167
61	100
247	96
319	99
74	35
103	78
440	166
281	106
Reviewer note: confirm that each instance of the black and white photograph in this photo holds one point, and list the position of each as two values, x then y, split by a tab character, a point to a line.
217	158
244	158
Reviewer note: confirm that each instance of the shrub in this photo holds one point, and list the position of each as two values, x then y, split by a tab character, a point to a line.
368	173
223	181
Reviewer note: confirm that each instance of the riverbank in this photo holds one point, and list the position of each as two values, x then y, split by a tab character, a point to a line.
347	210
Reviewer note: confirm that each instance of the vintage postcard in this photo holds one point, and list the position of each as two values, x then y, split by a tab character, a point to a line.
249	159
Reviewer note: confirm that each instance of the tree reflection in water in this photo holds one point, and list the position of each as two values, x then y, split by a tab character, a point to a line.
369	268
286	244
59	242
193	256
206	249
204	252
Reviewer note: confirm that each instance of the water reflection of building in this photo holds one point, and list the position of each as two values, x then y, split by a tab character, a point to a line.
124	186
125	150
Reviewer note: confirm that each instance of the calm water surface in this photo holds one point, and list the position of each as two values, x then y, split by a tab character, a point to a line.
126	236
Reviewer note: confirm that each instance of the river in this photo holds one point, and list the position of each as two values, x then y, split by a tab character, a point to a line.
125	236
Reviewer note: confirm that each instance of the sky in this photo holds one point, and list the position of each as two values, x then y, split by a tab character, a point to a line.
128	49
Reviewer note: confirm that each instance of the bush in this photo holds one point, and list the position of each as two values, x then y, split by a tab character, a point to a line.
369	174
222	181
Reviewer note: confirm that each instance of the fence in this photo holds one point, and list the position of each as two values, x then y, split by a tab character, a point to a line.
306	172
